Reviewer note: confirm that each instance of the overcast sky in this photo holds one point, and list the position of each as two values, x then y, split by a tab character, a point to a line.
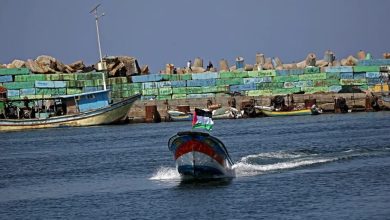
157	32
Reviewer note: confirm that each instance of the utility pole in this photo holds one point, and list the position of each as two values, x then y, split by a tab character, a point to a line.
101	65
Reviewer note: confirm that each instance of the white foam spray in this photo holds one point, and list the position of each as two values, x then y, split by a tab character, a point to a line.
246	168
166	173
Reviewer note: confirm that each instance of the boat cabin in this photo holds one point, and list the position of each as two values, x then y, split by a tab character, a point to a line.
54	106
84	102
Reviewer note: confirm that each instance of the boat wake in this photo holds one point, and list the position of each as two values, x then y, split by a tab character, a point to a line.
269	162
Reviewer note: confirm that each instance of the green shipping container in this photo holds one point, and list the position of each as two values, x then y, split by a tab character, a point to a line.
67	76
292	78
53	77
229	81
164	91
146	92
314	76
164	97
170	77
181	90
14	71
72	91
19	85
273	85
312	69
259	92
311	90
354	82
358	69
334	75
179	96
224	75
194	90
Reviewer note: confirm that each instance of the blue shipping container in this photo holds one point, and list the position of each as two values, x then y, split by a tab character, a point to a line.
177	84
7	78
240	88
13	93
359	75
201	82
373	74
346	75
59	84
147	78
30	91
44	84
338	69
207	75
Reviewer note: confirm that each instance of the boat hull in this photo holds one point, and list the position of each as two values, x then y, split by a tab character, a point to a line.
200	156
287	113
102	116
179	116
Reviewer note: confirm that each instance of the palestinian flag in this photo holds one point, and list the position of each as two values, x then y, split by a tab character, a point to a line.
202	119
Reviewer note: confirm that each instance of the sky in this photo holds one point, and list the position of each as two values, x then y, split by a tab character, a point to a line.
158	32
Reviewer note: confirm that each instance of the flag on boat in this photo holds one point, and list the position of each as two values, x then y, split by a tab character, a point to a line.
202	119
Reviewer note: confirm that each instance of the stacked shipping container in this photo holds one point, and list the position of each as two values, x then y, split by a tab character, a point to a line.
366	76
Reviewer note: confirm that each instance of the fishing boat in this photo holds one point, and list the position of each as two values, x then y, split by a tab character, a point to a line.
179	116
85	109
273	113
226	113
199	155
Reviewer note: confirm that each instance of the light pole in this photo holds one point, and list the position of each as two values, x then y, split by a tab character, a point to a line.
101	66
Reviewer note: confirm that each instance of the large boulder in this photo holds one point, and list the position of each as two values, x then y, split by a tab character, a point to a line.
35	67
17	64
122	66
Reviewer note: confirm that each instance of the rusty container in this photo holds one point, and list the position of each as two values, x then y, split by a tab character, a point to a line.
150	112
183	108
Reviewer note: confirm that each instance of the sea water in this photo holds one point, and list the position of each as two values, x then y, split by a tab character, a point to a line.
330	166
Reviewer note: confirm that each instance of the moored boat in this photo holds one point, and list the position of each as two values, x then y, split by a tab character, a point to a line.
85	109
199	155
179	116
226	113
273	113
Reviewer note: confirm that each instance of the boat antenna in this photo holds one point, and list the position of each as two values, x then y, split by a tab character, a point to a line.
97	16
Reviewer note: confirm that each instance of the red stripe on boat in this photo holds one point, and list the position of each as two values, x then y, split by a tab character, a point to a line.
198	146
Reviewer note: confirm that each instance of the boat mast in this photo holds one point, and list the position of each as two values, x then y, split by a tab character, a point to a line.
101	65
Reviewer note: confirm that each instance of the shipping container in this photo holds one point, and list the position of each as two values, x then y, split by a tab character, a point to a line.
6	78
312	69
258	92
14	71
346	75
314	76
18	85
206	75
353	82
366	69
229	81
338	69
201	82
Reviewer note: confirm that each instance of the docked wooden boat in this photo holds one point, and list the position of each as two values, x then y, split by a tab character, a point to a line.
226	113
179	116
85	109
273	113
199	155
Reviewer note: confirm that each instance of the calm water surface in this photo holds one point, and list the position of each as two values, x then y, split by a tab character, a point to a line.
334	166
